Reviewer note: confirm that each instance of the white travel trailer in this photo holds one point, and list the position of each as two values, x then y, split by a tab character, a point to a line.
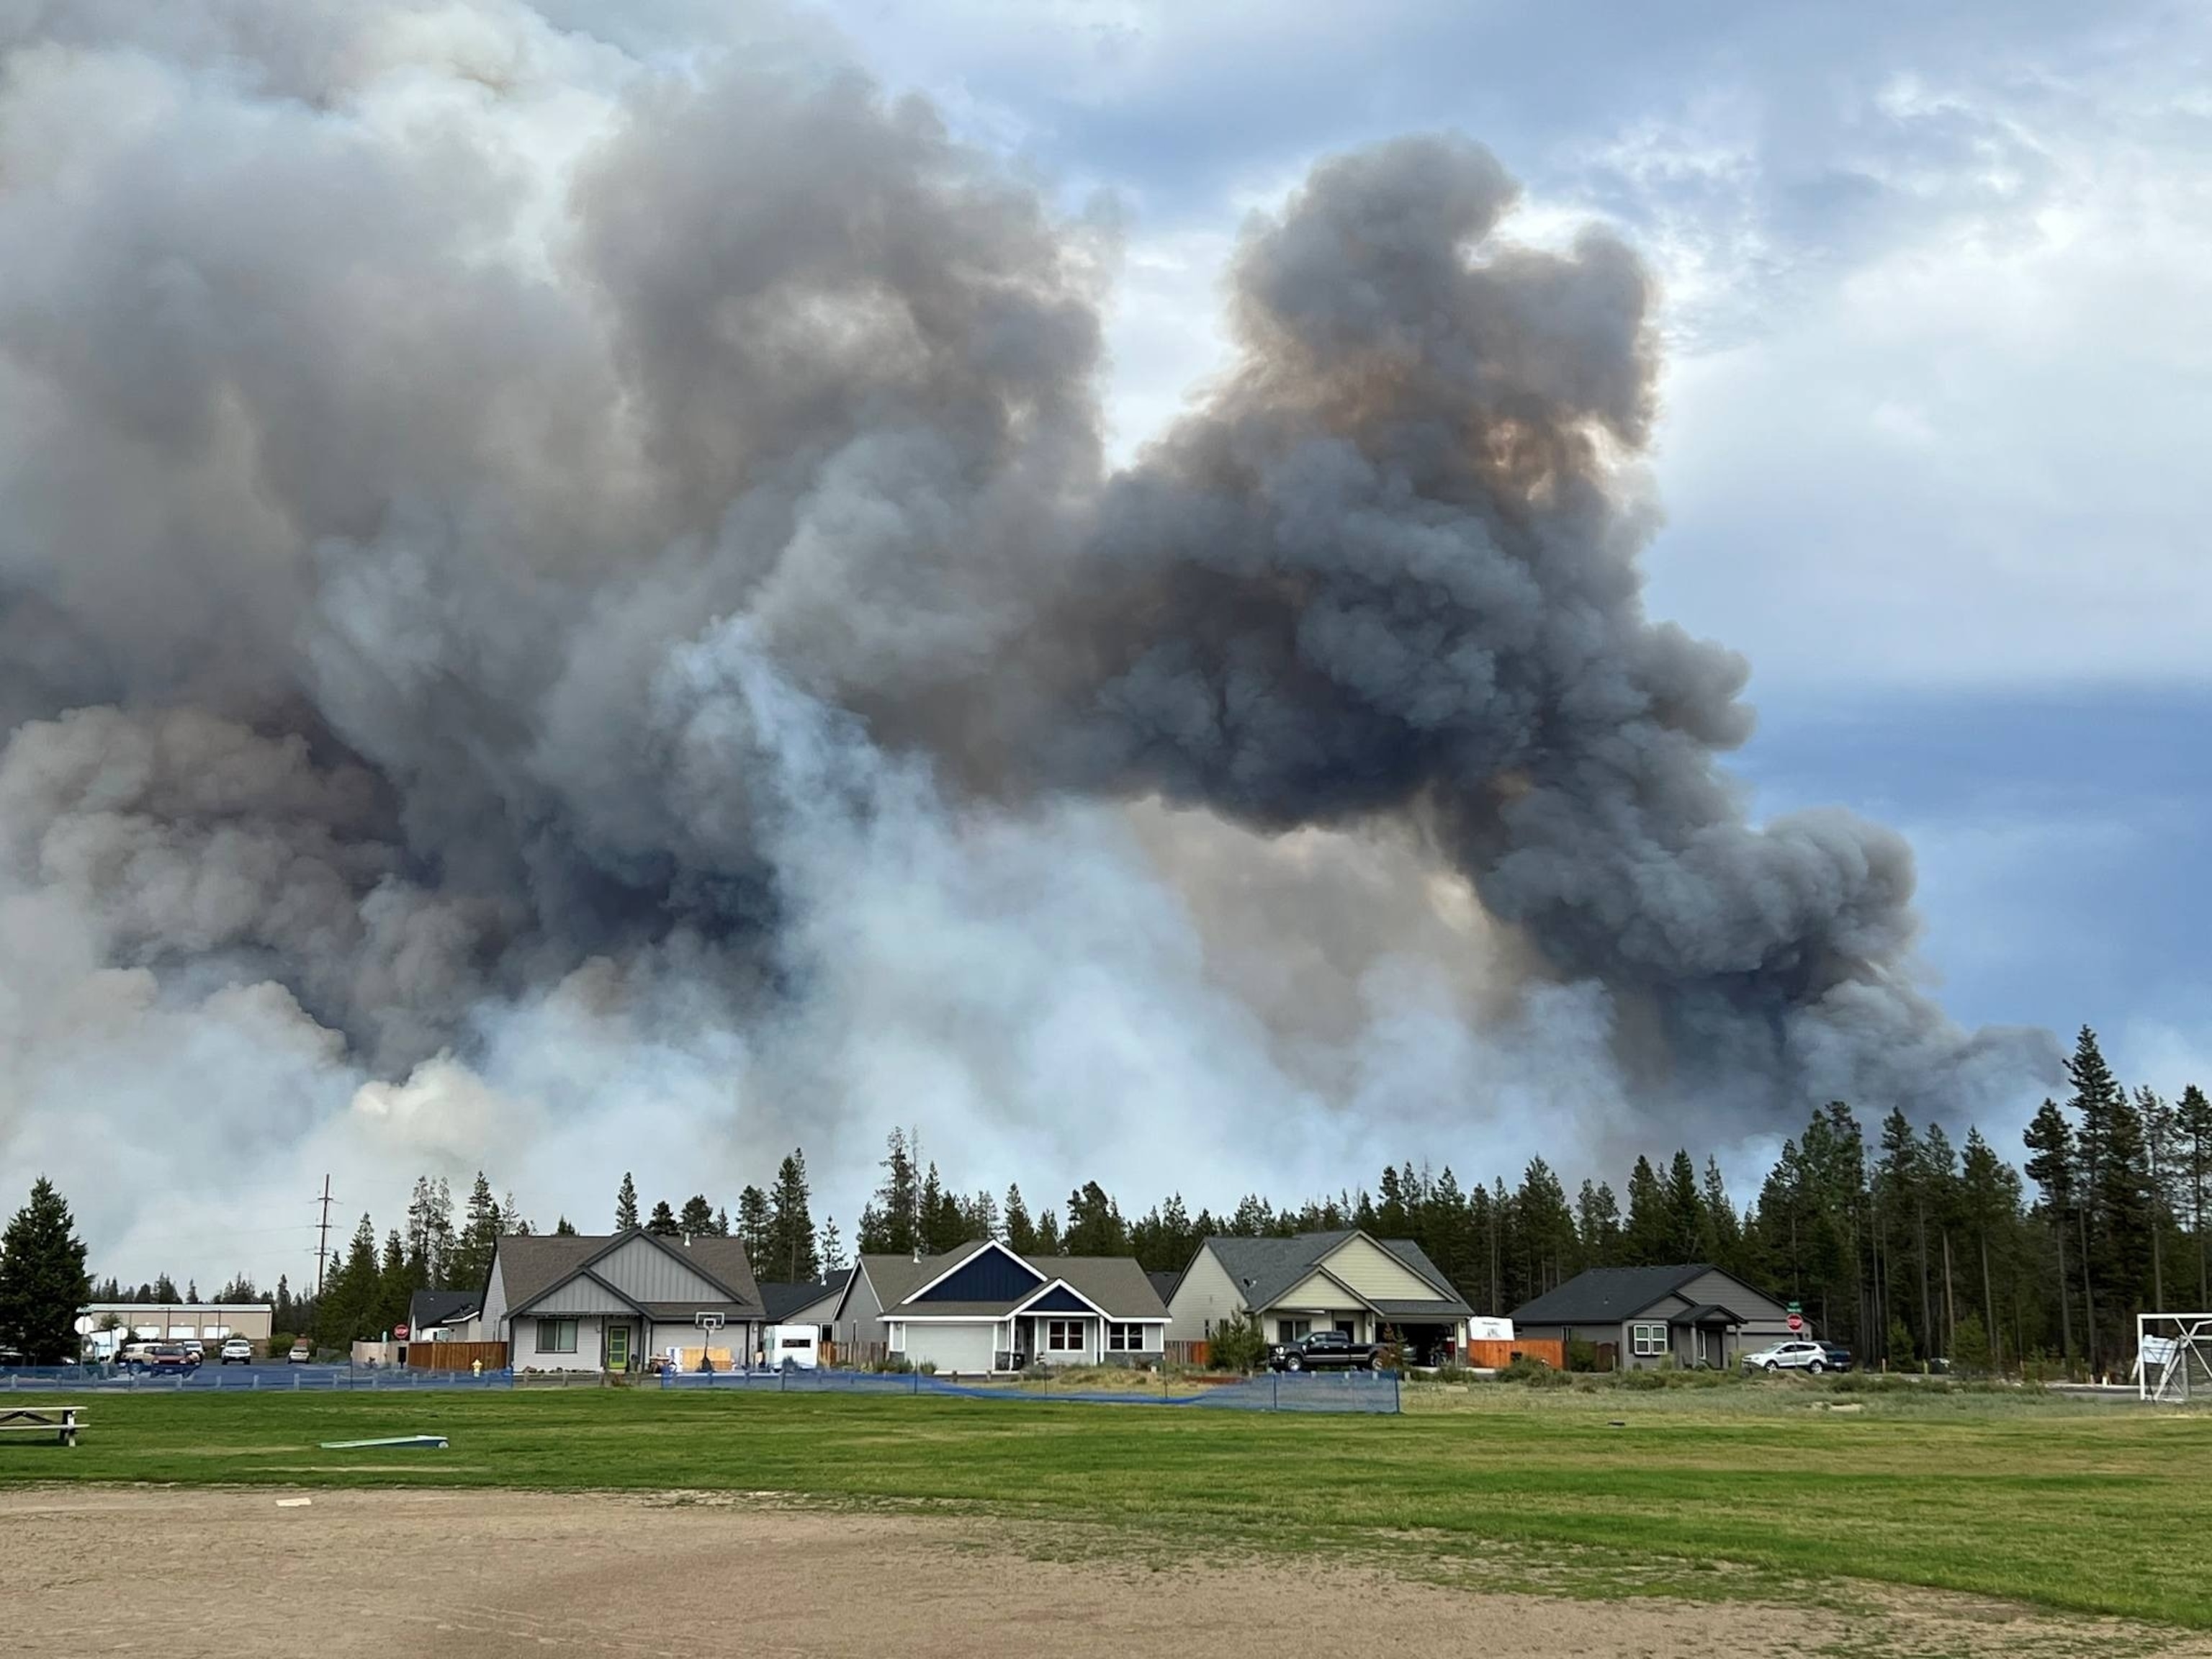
797	1345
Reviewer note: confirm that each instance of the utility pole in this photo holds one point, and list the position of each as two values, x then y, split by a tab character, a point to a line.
323	1238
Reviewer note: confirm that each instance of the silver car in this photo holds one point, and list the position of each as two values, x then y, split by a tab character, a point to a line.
1795	1355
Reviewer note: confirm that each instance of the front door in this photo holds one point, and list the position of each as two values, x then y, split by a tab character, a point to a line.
617	1347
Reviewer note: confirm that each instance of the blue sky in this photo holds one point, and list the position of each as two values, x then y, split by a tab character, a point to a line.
1939	373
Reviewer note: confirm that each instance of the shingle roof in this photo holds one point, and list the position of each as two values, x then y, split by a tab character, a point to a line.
428	1308
1266	1269
1116	1283
532	1264
781	1299
1705	1313
1163	1285
1605	1296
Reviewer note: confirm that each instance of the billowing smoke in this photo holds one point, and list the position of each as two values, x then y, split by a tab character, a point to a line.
561	607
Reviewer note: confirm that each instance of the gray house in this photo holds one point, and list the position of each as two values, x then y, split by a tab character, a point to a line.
1343	1281
566	1302
1693	1314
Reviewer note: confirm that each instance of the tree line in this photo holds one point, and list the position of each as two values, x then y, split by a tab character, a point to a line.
1895	1239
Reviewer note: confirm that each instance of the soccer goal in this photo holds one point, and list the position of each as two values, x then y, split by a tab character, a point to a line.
2173	1356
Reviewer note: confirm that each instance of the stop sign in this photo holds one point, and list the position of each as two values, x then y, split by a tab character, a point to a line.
1796	1322
400	1332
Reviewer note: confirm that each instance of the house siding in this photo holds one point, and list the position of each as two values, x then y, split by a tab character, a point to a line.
523	1352
646	1272
1375	1274
580	1296
955	1349
1206	1295
495	1303
863	1319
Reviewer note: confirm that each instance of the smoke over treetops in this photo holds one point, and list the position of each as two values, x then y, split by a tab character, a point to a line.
561	606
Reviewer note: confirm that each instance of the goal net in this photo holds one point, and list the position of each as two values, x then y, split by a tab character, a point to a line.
2173	1356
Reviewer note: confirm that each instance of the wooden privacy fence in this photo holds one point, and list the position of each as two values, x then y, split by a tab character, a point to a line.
1193	1354
1493	1356
455	1355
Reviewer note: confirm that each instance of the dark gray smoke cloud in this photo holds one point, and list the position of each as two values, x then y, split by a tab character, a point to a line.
560	586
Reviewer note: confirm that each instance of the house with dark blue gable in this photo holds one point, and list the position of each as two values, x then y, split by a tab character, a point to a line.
982	1309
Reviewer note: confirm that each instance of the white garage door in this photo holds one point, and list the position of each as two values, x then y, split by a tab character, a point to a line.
965	1349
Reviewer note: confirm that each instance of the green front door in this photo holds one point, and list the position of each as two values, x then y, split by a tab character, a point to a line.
617	1347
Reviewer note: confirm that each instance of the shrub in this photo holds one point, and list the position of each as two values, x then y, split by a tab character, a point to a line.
1582	1355
1642	1381
1236	1344
1533	1373
897	1363
929	1368
1451	1371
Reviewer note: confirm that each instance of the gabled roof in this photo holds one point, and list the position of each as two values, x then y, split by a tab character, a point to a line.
1705	1313
1114	1284
532	1265
781	1299
1606	1295
1163	1284
427	1308
1266	1269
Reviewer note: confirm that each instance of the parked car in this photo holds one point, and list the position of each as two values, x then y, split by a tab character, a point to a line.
1795	1355
1840	1357
301	1354
10	1356
1322	1350
132	1355
172	1357
238	1351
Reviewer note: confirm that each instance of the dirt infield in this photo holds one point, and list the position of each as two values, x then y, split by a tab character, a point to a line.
495	1574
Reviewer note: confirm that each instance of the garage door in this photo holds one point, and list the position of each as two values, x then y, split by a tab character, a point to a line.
965	1349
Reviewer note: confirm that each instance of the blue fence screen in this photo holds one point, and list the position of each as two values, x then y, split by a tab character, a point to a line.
1355	1391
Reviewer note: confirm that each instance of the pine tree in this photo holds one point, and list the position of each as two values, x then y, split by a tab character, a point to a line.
791	1252
626	1204
284	1314
890	1224
697	1219
829	1249
43	1282
1643	1242
2159	1127
2127	1216
564	1228
164	1292
753	1226
1021	1232
472	1252
662	1222
394	1285
513	1221
2050	1139
347	1305
2097	1094
2192	1123
1721	1230
1684	1211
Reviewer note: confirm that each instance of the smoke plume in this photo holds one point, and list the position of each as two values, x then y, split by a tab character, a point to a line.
562	609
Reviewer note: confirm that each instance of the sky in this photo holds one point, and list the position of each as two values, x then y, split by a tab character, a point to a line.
1939	377
1937	368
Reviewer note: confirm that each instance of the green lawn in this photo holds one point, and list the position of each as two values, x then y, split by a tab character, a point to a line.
2098	1510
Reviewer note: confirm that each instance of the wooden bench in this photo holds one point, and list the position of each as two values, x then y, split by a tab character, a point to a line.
63	1421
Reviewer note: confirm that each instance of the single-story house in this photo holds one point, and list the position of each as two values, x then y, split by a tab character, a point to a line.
981	1308
443	1315
1346	1281
571	1302
805	1304
1692	1314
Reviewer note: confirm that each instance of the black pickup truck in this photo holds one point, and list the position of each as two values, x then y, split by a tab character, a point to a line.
1322	1350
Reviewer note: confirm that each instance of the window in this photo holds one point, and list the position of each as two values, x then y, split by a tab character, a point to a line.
1647	1341
1063	1336
1345	1329
557	1336
1291	1330
1125	1338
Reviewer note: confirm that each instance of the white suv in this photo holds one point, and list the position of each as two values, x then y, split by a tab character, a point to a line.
238	1351
1791	1356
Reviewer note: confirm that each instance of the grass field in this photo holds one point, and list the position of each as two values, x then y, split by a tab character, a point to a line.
1743	1492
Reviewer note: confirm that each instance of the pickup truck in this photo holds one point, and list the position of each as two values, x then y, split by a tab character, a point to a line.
1322	1350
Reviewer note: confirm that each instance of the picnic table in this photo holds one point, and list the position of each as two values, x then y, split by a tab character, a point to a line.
61	1421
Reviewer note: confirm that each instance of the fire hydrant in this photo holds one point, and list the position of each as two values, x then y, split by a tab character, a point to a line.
475	1367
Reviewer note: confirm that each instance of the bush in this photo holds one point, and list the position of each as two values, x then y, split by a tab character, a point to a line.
1533	1373
1642	1381
895	1363
1236	1344
1582	1355
929	1368
1451	1371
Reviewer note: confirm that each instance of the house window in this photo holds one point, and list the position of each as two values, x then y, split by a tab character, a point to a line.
1647	1341
1063	1336
1291	1330
1125	1338
557	1336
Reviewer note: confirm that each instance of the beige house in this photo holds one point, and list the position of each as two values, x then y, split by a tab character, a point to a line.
1369	1288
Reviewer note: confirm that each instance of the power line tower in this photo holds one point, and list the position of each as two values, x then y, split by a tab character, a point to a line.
323	1238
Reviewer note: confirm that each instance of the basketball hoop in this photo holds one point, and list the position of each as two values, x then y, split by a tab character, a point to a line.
709	1324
